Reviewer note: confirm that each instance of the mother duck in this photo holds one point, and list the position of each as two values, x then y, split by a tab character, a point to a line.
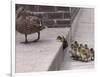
27	24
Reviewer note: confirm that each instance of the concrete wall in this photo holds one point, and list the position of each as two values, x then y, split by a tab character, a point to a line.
52	16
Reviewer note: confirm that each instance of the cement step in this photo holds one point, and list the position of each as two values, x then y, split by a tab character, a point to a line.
44	55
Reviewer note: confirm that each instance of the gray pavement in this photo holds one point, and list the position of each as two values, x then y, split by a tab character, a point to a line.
39	56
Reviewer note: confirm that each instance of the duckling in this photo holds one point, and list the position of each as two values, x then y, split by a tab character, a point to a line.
75	54
83	55
27	24
92	53
59	38
72	46
81	46
88	54
72	51
64	41
86	46
75	51
79	50
76	44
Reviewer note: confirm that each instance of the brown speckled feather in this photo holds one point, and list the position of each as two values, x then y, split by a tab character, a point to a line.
28	24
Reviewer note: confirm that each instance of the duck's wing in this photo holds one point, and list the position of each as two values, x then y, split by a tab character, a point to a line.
33	20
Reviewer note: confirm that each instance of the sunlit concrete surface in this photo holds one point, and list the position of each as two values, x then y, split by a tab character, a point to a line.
83	33
44	55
